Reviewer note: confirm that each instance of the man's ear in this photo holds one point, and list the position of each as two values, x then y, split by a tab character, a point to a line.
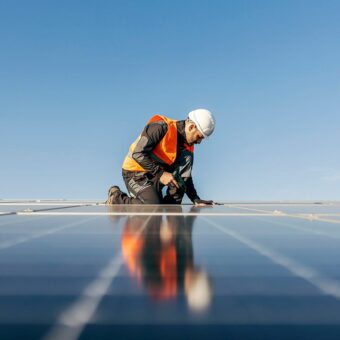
191	126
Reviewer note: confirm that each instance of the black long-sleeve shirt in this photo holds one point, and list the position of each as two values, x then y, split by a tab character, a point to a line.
150	137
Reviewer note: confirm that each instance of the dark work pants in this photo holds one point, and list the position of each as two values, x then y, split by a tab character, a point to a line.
147	189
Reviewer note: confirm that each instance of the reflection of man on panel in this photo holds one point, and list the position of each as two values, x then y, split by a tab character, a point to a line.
162	258
162	156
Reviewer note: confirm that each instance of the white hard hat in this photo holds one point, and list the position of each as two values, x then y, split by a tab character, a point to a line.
204	121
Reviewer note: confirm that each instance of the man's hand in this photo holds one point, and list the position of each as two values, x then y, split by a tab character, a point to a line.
203	202
168	179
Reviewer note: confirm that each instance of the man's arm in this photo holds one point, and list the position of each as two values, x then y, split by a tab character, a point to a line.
190	190
192	194
150	137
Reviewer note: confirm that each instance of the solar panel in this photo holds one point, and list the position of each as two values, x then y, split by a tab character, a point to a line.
83	270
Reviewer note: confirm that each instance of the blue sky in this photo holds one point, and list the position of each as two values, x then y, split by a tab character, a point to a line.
79	79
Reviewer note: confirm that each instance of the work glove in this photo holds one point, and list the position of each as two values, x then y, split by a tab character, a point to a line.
203	202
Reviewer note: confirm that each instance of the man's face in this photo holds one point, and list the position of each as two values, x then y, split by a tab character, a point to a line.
193	135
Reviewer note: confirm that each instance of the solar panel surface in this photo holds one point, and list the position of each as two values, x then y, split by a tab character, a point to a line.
81	270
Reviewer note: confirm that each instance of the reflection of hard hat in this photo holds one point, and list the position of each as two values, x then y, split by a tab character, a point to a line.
199	291
204	121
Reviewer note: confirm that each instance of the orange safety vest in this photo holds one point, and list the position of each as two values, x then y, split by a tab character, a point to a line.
165	150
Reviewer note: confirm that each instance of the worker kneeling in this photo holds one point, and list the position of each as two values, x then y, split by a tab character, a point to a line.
163	156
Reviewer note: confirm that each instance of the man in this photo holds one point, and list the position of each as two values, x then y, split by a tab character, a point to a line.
162	156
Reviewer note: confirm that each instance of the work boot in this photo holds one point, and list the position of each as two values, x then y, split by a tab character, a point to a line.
112	195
